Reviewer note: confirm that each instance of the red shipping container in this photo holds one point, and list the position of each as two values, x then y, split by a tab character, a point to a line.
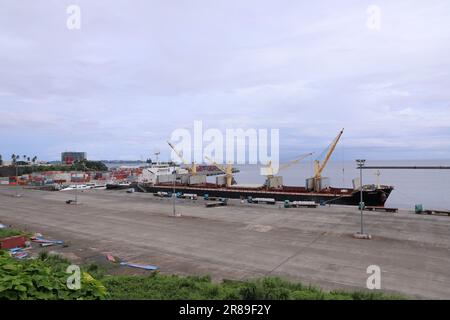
13	242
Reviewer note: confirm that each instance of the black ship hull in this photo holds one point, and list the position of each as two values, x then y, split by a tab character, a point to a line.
371	197
112	186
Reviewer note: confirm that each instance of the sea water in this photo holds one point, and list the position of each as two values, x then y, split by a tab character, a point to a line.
431	188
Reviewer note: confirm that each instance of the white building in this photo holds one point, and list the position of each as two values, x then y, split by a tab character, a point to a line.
156	173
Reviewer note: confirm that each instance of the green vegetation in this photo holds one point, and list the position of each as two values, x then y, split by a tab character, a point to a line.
16	157
7	232
166	287
43	279
77	166
90	165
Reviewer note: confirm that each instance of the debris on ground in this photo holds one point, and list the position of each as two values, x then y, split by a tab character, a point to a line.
18	253
139	266
45	242
13	242
111	258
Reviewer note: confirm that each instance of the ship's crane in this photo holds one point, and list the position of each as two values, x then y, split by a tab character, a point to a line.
286	165
276	182
228	170
193	166
319	167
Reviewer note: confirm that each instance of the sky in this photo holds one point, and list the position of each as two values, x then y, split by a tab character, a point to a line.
135	71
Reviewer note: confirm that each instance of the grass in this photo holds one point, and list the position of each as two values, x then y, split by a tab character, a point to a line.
156	286
8	232
170	287
54	261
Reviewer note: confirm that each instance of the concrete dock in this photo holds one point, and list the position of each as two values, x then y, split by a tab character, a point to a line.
242	241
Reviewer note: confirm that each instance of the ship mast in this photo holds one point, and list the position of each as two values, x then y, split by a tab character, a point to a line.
319	167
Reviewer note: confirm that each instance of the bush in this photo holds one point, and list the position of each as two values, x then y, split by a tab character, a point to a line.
77	166
43	279
165	287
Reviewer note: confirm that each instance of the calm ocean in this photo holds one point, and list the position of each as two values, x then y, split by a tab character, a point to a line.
431	188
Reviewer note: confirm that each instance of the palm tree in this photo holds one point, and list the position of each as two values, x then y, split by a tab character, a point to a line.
33	161
14	158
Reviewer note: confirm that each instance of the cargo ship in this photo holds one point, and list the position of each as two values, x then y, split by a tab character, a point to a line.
372	195
317	188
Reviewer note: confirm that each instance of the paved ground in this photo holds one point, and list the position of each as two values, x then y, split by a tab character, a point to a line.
246	241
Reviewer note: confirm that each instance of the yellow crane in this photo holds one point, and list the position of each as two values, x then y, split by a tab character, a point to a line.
319	167
193	166
286	165
228	170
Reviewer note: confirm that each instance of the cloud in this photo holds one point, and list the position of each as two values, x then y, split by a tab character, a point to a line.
119	86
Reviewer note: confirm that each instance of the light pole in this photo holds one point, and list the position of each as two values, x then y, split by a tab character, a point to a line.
360	163
174	172
76	193
17	180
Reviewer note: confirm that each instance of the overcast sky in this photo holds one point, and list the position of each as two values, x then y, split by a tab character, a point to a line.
137	70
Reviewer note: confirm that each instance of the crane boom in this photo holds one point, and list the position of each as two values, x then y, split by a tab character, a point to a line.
193	168
318	168
290	163
286	165
177	152
228	170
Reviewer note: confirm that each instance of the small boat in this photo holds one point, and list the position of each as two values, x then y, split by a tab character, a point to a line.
76	187
96	186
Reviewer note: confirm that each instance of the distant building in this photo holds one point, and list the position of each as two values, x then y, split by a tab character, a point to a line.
71	157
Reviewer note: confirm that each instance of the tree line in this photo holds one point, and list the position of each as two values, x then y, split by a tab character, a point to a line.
29	165
15	158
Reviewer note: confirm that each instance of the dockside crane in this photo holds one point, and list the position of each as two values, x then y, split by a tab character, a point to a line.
316	182
286	165
191	167
228	170
276	182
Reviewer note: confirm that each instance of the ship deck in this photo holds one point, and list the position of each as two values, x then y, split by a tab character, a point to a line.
285	189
